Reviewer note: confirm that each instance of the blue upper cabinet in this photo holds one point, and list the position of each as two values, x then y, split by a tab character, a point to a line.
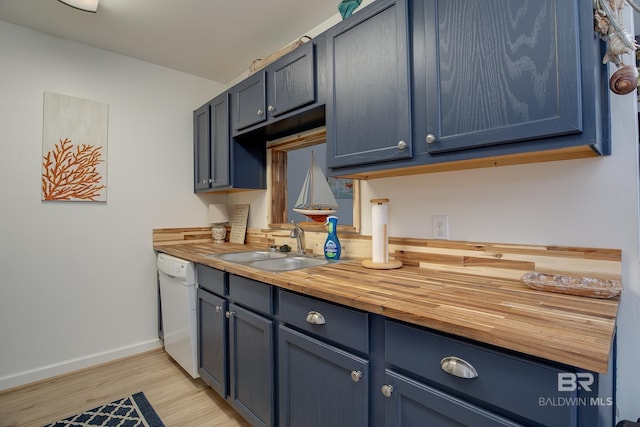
212	144
491	83
220	162
202	148
498	71
291	83
250	101
281	90
368	101
220	141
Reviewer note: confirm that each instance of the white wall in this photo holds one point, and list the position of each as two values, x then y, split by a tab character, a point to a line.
77	280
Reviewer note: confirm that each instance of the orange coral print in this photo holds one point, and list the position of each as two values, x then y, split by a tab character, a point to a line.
69	172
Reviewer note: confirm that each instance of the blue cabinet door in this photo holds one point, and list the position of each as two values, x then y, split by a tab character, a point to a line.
202	148
367	110
320	385
212	342
285	88
249	101
412	404
292	81
212	148
251	354
497	71
220	141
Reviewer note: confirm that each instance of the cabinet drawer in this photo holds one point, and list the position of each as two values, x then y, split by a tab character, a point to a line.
342	325
210	279
252	294
504	381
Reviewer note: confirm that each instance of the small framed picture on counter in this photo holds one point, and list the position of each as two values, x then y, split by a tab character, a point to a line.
239	224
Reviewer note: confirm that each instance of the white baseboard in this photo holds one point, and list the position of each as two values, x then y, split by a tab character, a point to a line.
64	367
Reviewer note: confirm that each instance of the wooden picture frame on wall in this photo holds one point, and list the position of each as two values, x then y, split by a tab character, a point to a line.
277	177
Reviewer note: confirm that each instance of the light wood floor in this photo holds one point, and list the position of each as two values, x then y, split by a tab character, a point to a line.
178	399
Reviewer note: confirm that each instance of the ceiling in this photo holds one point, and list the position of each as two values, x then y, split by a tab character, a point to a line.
214	39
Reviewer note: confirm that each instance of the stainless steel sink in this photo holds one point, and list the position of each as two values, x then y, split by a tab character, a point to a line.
271	261
250	256
289	263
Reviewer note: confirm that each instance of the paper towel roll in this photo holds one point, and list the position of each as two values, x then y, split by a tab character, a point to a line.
379	238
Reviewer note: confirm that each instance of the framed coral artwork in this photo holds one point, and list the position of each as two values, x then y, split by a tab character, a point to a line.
74	149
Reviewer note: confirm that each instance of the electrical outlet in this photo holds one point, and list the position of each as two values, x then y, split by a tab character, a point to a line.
440	226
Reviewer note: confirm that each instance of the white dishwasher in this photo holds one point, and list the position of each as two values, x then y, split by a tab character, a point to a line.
178	309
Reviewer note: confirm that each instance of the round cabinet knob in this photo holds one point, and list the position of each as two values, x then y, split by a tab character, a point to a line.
430	138
355	376
315	318
218	308
230	314
210	180
271	108
260	112
204	181
402	145
387	390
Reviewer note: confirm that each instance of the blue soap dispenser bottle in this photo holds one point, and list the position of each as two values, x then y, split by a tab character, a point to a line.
332	247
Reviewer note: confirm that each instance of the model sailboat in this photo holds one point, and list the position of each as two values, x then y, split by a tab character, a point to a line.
316	200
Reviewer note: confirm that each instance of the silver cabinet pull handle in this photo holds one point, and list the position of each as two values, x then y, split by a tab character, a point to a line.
218	308
458	367
260	112
430	138
271	108
315	318
386	390
402	145
230	314
355	376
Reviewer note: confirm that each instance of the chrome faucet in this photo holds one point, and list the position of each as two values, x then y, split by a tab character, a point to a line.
298	233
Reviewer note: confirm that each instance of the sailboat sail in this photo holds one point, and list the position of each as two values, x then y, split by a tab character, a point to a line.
316	200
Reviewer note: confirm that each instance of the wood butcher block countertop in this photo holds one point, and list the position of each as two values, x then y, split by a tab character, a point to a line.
499	311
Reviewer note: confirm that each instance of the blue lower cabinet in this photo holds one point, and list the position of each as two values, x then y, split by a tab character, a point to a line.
411	404
520	388
320	385
251	355
286	359
212	339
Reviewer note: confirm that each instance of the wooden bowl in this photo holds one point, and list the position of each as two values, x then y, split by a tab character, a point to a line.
572	285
